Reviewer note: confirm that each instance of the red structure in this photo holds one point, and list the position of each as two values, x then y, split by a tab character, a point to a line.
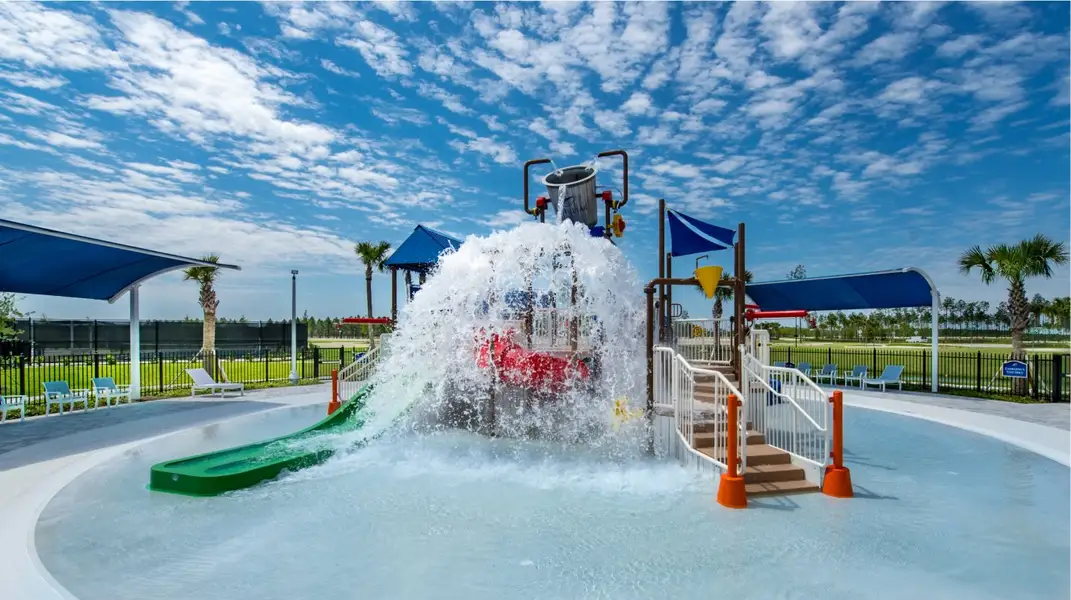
367	320
524	368
751	315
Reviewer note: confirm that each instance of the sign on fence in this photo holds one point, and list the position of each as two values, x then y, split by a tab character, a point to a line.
1015	369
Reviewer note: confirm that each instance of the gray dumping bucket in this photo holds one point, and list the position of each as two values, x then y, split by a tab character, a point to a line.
580	202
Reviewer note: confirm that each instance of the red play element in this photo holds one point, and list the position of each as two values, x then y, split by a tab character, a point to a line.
751	315
530	370
541	202
751	306
607	196
367	320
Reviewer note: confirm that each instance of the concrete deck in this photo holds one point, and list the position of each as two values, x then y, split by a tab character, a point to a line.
41	456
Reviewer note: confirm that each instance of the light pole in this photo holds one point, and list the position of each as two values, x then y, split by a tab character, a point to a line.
293	327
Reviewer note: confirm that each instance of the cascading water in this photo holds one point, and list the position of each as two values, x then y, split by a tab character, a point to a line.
430	373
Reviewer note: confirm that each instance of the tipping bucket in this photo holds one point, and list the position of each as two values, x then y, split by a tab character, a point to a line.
579	201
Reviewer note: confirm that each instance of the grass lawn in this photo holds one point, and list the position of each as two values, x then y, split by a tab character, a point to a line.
959	368
157	377
360	344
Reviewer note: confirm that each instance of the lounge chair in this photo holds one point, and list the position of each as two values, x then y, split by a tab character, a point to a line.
805	368
58	392
203	381
828	372
890	375
105	388
857	375
12	403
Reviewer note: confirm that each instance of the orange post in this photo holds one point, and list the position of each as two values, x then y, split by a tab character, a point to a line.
334	404
731	490
838	479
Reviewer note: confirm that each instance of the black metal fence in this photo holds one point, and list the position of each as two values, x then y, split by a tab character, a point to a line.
73	337
165	371
970	371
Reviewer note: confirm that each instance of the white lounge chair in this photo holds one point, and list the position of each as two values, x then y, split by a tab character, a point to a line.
889	376
58	392
12	403
203	381
104	388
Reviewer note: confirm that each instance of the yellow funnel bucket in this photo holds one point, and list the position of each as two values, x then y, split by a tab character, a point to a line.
708	277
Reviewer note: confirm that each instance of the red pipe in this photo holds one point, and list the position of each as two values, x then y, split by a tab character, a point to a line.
751	315
368	320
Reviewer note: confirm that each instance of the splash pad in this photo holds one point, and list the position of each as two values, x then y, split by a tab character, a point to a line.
530	333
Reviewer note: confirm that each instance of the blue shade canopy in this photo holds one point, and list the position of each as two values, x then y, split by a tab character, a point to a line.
35	260
421	249
689	235
902	288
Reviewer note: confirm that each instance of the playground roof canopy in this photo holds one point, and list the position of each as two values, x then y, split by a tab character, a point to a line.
35	260
900	288
421	249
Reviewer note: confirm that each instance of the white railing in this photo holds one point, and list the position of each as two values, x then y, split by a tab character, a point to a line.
700	340
675	383
789	409
356	374
551	330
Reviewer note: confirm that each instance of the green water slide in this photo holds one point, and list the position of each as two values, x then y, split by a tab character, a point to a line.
236	468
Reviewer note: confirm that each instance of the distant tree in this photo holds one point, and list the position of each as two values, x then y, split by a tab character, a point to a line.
722	294
1015	264
800	272
9	312
205	277
1038	307
373	256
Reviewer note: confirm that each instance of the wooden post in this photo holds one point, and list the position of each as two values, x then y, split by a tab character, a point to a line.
661	262
739	302
668	318
394	294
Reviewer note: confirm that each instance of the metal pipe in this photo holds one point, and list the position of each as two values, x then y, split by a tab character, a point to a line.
293	327
624	159
649	410
533	162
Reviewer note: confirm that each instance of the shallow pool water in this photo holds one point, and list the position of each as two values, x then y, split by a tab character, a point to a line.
940	513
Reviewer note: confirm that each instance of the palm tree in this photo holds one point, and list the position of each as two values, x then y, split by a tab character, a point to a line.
1029	258
373	256
205	277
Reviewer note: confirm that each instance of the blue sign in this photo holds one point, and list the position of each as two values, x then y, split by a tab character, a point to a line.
1016	369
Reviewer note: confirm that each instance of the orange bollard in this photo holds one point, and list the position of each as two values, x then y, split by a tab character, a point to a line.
334	404
731	490
838	479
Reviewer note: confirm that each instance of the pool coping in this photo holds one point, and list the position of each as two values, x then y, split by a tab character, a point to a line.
25	492
28	489
1051	442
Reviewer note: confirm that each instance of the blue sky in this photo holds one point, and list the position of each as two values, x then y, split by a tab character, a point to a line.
848	137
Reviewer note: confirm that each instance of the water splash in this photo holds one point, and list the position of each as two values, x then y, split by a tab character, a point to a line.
430	379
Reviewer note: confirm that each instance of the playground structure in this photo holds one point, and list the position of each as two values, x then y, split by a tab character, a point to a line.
759	429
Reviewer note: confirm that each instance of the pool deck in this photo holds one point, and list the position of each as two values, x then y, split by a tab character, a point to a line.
42	455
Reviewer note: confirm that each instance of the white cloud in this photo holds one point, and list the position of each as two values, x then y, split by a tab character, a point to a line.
639	103
38	36
380	47
29	80
337	70
889	47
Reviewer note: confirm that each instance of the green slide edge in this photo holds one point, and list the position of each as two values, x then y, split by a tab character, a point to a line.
215	473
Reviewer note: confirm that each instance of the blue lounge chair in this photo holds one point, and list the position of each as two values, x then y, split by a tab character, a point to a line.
8	403
104	388
857	375
58	392
828	372
889	376
805	368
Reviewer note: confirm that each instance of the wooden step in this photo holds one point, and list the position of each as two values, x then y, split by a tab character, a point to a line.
706	426
757	455
780	488
706	439
773	473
